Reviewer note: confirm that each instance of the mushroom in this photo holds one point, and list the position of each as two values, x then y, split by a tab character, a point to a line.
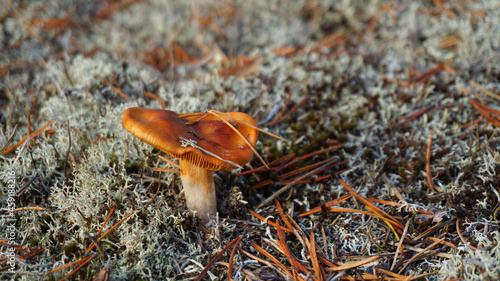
203	142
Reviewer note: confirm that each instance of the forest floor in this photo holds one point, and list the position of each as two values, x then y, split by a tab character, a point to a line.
390	109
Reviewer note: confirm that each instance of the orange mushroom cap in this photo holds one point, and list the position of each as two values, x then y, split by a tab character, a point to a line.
207	142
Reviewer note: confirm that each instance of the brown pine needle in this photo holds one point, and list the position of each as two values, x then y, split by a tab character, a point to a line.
304	157
326	205
389	273
117	90
352	265
281	242
419	255
273	259
214	260
314	257
298	171
34	134
446	243
286	187
268	221
282	214
368	203
231	258
354	211
428	161
489	113
82	264
274	163
155	97
64	266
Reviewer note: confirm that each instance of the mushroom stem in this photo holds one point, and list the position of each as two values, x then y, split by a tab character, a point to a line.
199	190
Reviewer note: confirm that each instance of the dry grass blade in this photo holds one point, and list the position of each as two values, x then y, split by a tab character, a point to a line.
400	245
326	205
269	222
231	258
353	265
34	134
214	260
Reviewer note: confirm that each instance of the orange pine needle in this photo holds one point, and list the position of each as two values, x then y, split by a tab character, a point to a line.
109	231
282	214
155	97
26	208
64	266
36	133
268	221
489	113
326	205
84	263
368	203
117	90
106	220
273	259
214	260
